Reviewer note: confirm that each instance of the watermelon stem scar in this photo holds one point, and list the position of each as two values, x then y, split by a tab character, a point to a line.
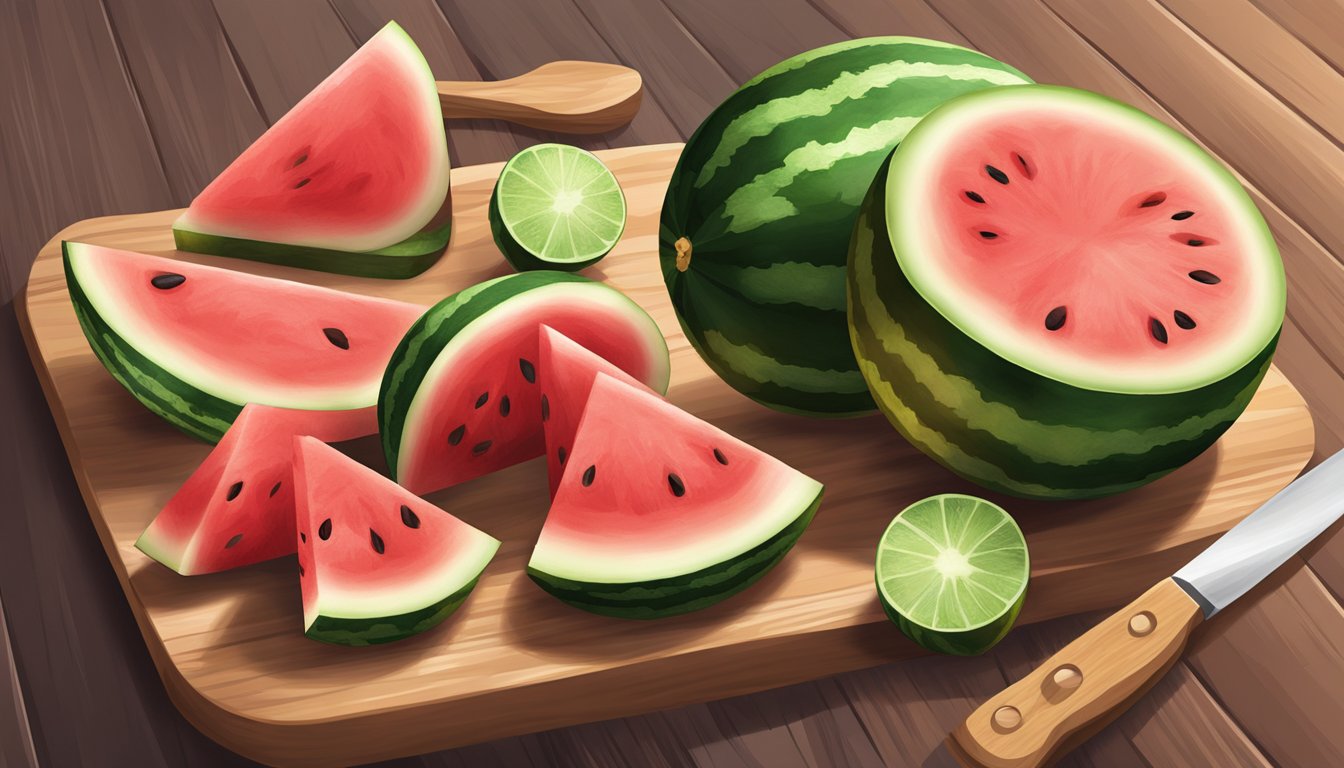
683	246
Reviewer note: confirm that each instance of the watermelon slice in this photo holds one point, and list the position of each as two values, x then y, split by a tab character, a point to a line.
195	343
460	398
353	179
568	371
376	563
659	513
237	508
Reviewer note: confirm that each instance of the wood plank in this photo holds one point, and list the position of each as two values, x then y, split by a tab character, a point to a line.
747	37
1271	55
510	37
808	724
1275	660
469	141
194	96
862	18
254	681
16	738
1315	22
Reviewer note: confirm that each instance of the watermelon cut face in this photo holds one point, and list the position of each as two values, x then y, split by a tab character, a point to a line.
376	563
195	343
659	513
237	508
461	398
568	372
353	179
1055	295
757	219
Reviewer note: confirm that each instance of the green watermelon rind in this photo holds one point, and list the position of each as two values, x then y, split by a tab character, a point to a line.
437	329
387	629
1008	428
406	259
677	595
786	345
969	642
521	258
192	410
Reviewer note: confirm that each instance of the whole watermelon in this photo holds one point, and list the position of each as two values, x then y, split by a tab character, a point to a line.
756	223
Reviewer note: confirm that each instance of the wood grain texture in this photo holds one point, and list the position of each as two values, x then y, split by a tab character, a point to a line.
16	738
582	97
1087	684
228	646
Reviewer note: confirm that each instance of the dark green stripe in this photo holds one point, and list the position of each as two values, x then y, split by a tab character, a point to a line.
361	632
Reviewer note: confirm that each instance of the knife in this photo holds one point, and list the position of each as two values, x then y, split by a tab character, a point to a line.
1095	678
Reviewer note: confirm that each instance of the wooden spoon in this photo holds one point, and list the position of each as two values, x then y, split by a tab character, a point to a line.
563	96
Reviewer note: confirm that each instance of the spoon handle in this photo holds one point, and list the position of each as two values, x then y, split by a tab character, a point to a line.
562	96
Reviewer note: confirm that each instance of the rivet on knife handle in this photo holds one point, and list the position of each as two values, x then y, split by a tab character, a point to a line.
1083	687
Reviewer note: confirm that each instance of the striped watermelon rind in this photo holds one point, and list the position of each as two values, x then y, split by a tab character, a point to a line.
767	208
386	629
660	598
999	424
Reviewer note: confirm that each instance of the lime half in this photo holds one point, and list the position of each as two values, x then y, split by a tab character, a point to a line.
952	573
556	207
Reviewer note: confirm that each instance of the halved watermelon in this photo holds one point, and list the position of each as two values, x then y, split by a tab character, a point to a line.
460	398
376	563
195	343
660	513
237	508
353	179
567	374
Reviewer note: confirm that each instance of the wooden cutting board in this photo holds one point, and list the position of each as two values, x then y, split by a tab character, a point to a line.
230	647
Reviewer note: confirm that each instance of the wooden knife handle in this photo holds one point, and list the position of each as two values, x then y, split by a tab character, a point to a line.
1089	683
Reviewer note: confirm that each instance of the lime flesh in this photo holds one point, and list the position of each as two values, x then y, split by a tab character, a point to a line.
952	573
556	207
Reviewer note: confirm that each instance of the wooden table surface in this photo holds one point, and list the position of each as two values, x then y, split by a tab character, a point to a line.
114	106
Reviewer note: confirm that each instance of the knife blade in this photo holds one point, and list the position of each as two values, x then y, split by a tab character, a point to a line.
1093	679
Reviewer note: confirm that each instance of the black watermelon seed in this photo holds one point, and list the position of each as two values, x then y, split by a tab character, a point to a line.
1054	320
1183	320
481	447
376	541
529	371
1157	198
975	196
324	530
456	435
275	489
302	183
995	174
300	159
303	537
236	538
589	475
1026	169
301	572
504	406
988	235
1182	215
545	409
409	518
1207	278
1158	330
678	487
560	454
1195	242
483	399
234	490
167	280
337	337
719	457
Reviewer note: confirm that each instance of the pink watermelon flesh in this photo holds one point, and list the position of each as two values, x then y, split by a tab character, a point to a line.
247	338
359	164
568	371
486	415
376	562
1045	235
652	492
237	508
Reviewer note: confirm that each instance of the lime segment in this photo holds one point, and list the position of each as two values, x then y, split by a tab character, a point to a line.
952	573
556	207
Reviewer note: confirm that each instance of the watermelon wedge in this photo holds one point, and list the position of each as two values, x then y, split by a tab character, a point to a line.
353	179
460	398
376	563
659	513
567	374
195	343
237	508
